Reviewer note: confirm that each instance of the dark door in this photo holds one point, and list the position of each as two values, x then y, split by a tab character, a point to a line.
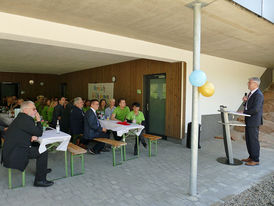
8	89
64	90
155	103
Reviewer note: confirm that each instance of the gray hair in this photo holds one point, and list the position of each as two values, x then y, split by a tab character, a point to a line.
76	100
25	105
255	79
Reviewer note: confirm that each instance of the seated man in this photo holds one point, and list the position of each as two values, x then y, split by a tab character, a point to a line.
120	114
77	120
137	117
110	109
93	129
17	149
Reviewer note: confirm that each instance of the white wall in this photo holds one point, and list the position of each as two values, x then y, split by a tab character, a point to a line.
230	80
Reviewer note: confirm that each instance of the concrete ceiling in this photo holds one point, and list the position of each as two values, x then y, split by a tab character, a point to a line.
228	31
17	56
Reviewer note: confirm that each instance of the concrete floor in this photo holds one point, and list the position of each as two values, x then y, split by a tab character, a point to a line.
160	180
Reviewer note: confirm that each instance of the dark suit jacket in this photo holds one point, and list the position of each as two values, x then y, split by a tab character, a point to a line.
18	141
57	112
255	109
92	127
76	121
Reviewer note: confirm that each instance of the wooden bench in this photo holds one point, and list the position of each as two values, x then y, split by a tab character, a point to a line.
152	139
114	145
76	151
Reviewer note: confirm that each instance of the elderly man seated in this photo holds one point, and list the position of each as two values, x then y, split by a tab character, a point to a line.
77	120
17	149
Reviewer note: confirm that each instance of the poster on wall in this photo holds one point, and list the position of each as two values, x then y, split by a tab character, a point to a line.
100	90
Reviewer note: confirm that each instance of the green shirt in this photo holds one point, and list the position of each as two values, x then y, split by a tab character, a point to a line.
50	113
139	118
45	113
85	109
121	114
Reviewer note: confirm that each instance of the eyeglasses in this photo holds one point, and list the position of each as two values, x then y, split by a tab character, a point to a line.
34	109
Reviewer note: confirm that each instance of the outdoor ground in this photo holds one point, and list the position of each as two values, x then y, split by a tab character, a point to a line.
156	181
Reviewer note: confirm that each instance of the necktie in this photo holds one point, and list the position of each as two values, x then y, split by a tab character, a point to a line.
249	95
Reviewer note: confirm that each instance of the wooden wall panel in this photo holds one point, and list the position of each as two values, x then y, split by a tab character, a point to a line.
51	86
129	78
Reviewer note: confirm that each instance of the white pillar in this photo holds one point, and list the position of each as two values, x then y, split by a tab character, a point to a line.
196	6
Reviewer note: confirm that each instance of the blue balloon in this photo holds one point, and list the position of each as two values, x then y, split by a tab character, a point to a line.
197	78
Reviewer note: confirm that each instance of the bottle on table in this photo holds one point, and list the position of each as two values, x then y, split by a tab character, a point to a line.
57	127
134	119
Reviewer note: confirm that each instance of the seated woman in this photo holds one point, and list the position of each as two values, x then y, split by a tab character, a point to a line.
45	110
137	117
101	110
50	111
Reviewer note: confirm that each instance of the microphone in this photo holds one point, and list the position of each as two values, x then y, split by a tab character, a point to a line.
244	102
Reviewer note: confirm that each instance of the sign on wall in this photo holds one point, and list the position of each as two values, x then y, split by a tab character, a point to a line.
100	90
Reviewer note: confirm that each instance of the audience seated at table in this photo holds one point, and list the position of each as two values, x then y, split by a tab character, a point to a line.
136	116
77	120
17	149
86	105
110	109
120	114
101	110
93	129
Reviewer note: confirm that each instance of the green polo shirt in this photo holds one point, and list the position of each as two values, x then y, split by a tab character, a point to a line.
50	113
45	113
121	114
139	118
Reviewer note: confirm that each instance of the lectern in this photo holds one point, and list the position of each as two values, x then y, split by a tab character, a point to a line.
229	159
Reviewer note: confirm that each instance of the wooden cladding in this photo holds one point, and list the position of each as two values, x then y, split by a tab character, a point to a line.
51	87
129	77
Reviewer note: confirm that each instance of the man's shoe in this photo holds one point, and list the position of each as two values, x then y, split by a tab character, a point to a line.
252	163
49	170
91	151
43	183
247	160
144	144
106	149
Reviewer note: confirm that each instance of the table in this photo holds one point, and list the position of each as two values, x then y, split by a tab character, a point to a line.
123	130
50	137
4	117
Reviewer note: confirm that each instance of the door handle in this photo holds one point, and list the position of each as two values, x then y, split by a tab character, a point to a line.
147	108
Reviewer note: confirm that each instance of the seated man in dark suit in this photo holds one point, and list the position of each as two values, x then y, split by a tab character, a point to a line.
93	129
17	149
77	120
254	107
58	111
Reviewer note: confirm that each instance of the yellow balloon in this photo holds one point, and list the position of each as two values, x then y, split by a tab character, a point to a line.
207	89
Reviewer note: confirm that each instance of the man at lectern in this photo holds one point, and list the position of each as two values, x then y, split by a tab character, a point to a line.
254	107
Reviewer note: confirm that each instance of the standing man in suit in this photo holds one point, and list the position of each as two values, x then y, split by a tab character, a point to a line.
254	107
93	129
77	120
17	149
